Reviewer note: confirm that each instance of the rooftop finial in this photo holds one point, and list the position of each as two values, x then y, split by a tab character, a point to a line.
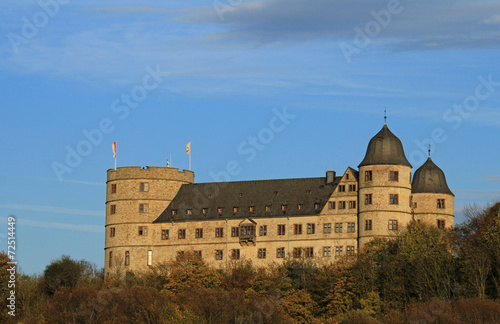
429	149
385	116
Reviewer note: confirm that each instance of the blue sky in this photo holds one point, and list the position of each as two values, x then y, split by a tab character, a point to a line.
216	73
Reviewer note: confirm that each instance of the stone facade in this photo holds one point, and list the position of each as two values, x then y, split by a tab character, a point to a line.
143	229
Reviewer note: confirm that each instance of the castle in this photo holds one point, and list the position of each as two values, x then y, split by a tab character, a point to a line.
155	214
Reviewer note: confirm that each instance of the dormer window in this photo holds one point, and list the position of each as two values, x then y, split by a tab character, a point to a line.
220	210
300	206
204	210
284	207
317	206
174	212
251	209
236	209
268	208
189	211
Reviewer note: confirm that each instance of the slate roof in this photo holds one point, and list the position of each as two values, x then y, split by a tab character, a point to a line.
243	194
429	178
385	148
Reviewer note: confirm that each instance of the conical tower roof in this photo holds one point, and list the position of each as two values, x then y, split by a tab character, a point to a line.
385	148
429	178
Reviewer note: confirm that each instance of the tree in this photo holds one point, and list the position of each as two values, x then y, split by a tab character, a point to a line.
66	272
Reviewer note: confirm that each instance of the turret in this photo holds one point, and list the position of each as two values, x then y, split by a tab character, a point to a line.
433	201
135	197
384	188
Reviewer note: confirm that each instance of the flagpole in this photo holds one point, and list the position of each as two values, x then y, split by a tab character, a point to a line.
115	163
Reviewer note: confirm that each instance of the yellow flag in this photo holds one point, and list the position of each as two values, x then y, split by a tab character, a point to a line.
188	148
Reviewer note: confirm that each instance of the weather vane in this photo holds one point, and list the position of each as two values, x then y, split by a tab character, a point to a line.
385	116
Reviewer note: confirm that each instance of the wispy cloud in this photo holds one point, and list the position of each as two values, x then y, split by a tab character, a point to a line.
492	178
52	209
62	226
422	24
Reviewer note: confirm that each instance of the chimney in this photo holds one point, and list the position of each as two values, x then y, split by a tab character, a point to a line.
330	177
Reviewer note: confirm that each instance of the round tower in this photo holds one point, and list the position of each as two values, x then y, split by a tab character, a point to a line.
135	197
433	201
384	188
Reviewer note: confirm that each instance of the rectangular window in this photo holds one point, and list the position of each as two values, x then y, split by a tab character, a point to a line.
112	209
352	204
441	223
113	188
351	227
338	227
368	225
219	254
127	258
268	208
219	232
350	250
180	254
197	253
262	254
182	234
440	203
338	251
204	210
110	259
143	230
144	186
368	176
352	187
393	199
111	232
327	228
298	229
368	199
143	208
311	228
235	231
393	176
327	251
309	252
280	252
263	230
235	254
251	209
284	207
220	210
300	206
341	188
281	229
236	209
317	206
341	204
331	205
150	257
174	212
199	233
393	225
297	252
189	211
164	234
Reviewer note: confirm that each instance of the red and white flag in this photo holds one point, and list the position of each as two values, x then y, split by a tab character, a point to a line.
114	150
